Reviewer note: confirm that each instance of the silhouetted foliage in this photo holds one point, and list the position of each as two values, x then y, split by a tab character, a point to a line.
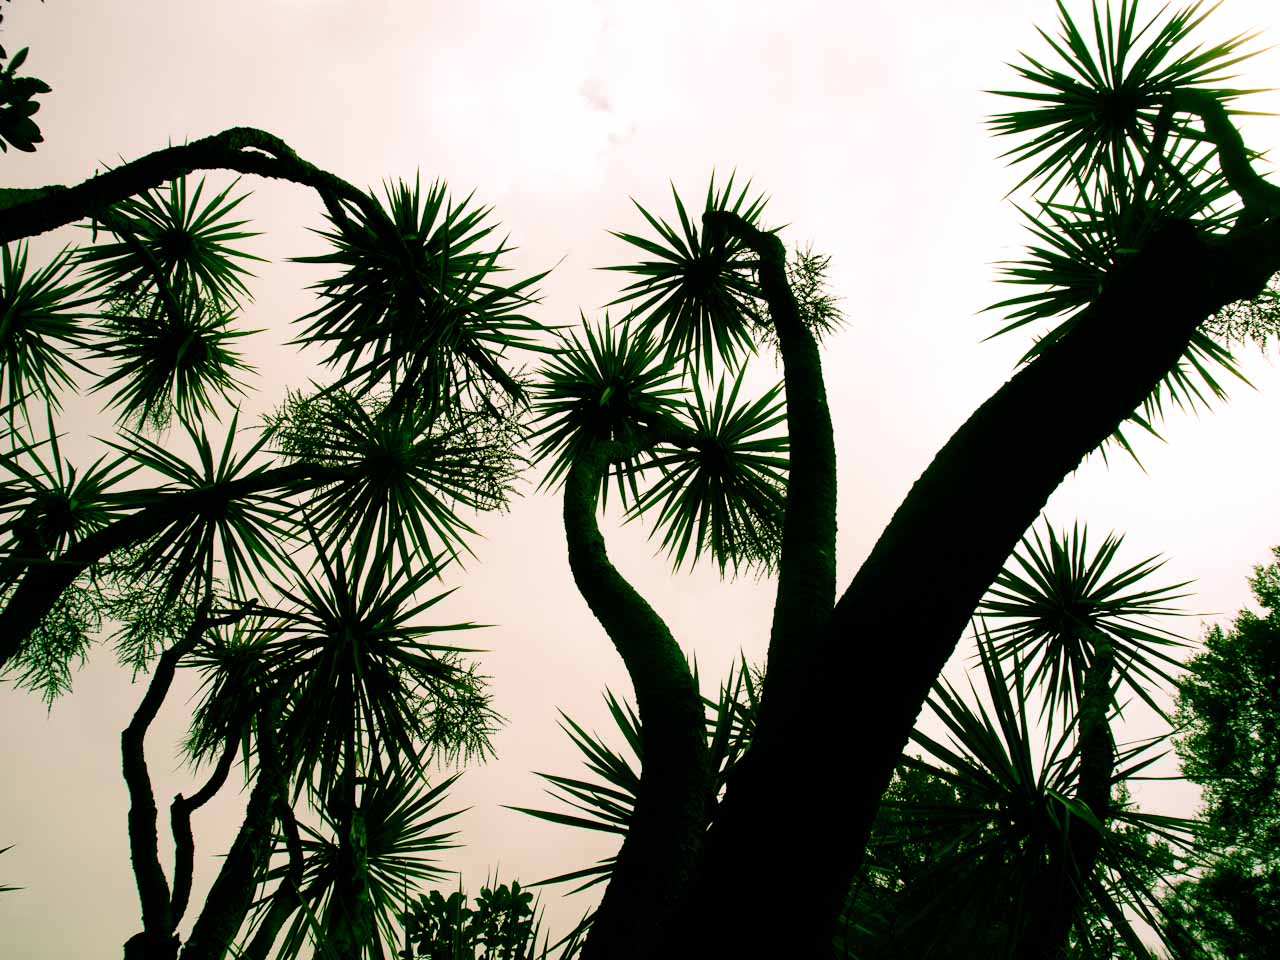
293	562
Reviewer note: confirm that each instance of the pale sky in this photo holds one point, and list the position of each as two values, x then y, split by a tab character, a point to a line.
864	124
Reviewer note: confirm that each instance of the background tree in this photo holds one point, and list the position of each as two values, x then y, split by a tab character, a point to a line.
1228	706
291	567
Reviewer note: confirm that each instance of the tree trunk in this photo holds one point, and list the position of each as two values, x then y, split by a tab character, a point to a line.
656	865
826	754
1057	896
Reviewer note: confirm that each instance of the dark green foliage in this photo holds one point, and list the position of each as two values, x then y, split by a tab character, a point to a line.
247	534
1110	132
18	105
1049	610
171	361
607	388
414	303
168	244
59	644
502	925
349	655
47	504
40	321
723	491
699	294
172	284
411	468
1229	712
1095	120
398	821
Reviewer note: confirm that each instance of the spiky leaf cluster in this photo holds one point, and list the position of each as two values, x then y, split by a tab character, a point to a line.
699	295
722	490
415	305
408	468
173	284
398	821
1055	597
609	386
42	324
1014	817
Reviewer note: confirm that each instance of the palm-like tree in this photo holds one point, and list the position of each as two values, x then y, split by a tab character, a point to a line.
293	567
1040	839
1148	217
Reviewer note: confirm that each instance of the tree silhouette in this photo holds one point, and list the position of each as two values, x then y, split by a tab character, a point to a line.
290	567
1229	746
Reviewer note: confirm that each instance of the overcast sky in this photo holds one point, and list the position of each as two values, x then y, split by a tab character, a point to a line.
864	124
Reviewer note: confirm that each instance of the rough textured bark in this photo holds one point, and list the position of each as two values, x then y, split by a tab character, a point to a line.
656	865
807	562
892	630
30	212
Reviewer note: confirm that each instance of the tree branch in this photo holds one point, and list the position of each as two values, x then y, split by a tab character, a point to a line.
184	846
244	149
153	888
807	566
45	582
656	864
894	628
232	892
1261	199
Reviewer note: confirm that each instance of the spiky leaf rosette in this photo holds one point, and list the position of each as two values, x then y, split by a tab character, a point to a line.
723	487
699	295
40	322
356	666
610	387
176	358
1080	247
415	304
166	242
1013	815
222	533
1053	600
402	839
46	504
1094	118
412	468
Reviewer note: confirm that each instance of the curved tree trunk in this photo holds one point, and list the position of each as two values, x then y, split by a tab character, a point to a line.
656	865
894	628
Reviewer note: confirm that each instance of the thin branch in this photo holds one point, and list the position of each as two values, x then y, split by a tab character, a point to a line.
45	582
1260	198
184	845
242	149
153	888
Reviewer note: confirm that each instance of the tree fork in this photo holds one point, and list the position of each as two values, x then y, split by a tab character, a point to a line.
888	640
